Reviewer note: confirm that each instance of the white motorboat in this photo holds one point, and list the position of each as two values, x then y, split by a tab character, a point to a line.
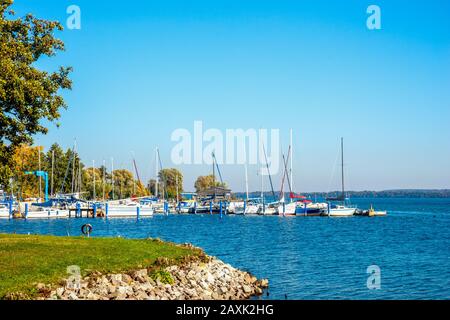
44	213
184	207
341	211
130	209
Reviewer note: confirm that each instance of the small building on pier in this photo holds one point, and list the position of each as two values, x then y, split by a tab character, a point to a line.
216	193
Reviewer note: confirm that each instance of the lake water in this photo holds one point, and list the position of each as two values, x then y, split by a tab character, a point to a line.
307	258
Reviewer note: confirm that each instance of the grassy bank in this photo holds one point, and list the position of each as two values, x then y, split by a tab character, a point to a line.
26	260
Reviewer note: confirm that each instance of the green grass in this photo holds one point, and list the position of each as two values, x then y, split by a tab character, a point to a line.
28	260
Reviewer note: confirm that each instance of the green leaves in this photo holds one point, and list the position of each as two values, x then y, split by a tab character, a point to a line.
27	94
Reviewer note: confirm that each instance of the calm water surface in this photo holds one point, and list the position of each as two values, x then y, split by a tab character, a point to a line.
307	258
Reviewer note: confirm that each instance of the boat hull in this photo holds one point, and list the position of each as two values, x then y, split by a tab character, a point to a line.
47	214
129	211
342	212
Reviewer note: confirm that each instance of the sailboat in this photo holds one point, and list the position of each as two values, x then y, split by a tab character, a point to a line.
341	209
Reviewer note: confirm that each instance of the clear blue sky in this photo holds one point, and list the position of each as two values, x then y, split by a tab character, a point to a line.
145	68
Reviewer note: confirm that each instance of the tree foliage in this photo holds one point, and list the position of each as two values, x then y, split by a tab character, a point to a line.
171	180
205	182
27	95
67	174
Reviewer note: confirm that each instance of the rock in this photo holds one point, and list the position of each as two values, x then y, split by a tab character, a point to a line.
194	280
247	288
264	283
59	292
40	286
115	279
210	278
223	290
73	296
141	295
126	278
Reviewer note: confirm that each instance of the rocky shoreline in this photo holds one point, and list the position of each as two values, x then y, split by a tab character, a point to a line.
202	279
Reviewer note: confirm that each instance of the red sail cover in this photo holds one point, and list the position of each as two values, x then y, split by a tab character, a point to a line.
295	196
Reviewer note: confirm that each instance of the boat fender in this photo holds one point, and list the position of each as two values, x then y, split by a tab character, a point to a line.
86	229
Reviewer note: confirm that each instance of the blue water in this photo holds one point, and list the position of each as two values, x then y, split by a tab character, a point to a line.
308	258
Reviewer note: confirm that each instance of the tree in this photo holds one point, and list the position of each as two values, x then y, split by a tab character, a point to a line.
88	182
171	180
27	94
26	158
59	167
205	182
151	185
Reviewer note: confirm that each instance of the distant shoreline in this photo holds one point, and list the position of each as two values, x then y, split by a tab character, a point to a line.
399	193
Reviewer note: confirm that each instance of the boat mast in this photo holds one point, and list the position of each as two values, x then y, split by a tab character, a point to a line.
53	168
73	166
176	182
134	180
156	172
246	181
342	167
93	178
112	176
104	179
262	185
214	175
268	172
40	178
290	170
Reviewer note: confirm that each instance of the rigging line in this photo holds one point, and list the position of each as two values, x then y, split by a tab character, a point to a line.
217	166
333	172
136	169
268	171
285	174
285	162
67	170
164	177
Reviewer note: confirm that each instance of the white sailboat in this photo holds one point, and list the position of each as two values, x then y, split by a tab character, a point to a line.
341	210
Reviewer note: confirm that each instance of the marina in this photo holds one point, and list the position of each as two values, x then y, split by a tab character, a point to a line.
214	198
311	258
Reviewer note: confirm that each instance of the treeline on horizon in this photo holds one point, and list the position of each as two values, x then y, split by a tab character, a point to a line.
399	193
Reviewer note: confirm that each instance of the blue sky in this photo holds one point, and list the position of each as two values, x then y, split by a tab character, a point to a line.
146	68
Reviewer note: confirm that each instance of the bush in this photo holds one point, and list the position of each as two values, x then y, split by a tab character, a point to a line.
163	276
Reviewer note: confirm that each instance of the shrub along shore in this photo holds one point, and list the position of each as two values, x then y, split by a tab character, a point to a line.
46	267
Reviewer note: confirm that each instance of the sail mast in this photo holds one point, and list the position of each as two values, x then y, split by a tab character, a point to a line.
112	176
53	169
342	167
268	171
40	178
93	178
104	178
292	156
156	172
246	181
